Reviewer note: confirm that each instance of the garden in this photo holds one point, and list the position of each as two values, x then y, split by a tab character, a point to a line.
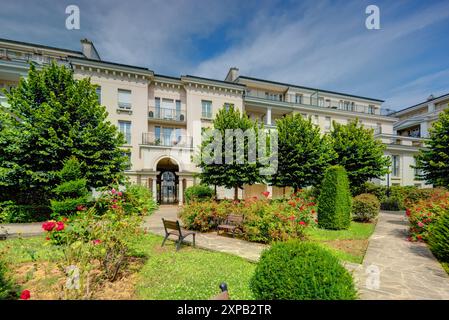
62	164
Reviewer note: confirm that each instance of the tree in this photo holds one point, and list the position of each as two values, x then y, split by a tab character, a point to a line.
358	152
52	117
72	191
303	154
433	161
230	175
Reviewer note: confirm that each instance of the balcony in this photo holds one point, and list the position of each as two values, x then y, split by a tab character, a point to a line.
167	114
170	141
402	141
124	107
320	103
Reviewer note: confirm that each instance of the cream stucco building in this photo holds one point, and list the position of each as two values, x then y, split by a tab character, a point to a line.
162	117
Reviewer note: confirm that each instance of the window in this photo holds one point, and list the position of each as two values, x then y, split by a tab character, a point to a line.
328	123
316	120
206	109
298	98
98	92
125	128
378	129
157	133
157	107
124	99
228	106
320	102
395	166
371	109
178	110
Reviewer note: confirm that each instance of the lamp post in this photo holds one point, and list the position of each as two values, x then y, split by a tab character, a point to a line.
388	184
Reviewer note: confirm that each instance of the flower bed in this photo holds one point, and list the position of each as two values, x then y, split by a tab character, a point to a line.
425	212
265	220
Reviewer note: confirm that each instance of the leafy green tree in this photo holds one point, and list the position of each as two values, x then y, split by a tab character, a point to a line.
52	117
303	154
230	175
358	152
72	191
433	161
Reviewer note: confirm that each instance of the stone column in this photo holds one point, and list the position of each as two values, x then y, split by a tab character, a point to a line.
180	192
269	116
154	189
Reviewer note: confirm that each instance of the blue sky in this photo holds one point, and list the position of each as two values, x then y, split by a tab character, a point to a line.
320	44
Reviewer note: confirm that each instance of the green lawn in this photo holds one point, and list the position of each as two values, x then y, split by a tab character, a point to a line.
166	274
348	245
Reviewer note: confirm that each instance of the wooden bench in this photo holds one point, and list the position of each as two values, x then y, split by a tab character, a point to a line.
231	224
224	295
175	230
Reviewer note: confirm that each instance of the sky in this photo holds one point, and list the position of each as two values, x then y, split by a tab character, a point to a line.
318	43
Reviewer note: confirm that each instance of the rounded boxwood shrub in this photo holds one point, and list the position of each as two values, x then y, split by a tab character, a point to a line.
198	192
365	207
296	270
438	237
334	203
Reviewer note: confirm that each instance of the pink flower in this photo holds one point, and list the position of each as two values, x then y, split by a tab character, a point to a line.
114	206
302	223
96	241
119	193
113	191
420	224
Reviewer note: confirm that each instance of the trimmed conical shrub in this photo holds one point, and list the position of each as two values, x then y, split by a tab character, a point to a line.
334	202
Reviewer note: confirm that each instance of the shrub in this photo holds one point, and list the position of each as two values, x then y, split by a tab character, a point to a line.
296	270
438	237
334	203
72	191
423	214
139	200
391	204
8	289
198	192
264	220
13	213
365	207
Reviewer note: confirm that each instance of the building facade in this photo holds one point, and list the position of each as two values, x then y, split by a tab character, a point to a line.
162	117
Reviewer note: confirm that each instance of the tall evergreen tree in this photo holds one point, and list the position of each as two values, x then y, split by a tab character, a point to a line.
358	152
230	175
52	117
434	160
303	154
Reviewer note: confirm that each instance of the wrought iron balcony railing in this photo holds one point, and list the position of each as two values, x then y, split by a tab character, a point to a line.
167	114
167	140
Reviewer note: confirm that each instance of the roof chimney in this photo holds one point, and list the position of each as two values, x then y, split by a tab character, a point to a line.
89	50
431	97
232	75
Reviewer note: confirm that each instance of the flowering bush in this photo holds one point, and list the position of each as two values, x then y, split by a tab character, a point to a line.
423	214
264	220
95	244
365	207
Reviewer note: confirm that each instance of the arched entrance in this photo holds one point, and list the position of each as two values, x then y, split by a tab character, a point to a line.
167	181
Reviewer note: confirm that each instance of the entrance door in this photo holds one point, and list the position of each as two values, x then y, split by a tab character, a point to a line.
168	188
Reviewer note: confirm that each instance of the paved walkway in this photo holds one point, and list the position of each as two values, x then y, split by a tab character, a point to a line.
407	270
210	241
21	229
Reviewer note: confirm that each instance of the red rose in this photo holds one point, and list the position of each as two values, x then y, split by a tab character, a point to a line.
49	225
407	212
25	295
60	226
302	223
266	194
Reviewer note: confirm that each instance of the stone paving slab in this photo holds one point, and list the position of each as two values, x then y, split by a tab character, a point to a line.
407	270
209	241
